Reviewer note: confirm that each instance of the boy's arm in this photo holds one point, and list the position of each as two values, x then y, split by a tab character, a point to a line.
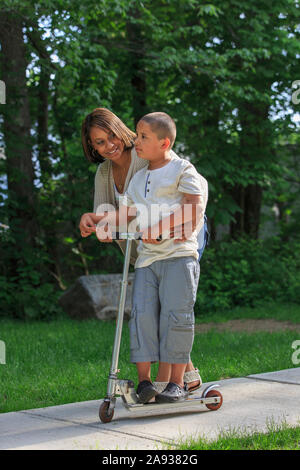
184	219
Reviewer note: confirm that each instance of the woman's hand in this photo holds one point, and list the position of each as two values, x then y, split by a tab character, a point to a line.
181	233
151	235
87	225
104	233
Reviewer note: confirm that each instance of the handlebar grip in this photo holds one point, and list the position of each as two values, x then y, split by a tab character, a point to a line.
130	236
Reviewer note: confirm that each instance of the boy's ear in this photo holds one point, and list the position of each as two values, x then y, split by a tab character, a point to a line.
166	143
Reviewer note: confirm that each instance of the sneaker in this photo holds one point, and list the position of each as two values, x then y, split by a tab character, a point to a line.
173	393
145	391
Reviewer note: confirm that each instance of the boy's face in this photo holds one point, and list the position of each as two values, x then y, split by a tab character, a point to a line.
147	144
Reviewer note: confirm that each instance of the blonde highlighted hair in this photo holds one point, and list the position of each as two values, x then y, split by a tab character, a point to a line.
109	122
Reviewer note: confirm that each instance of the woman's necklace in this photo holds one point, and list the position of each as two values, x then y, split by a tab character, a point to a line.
120	182
120	176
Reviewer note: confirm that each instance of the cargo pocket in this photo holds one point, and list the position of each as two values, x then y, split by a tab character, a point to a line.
180	332
134	340
191	271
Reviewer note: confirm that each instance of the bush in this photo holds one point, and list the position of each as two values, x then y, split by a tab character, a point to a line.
25	301
26	291
248	273
233	273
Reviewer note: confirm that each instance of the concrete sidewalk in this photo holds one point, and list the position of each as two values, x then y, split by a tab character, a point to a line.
249	403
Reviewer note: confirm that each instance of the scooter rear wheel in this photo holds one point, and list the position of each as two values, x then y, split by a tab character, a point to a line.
105	414
214	406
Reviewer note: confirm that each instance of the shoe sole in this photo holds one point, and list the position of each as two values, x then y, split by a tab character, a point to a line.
196	387
162	399
146	395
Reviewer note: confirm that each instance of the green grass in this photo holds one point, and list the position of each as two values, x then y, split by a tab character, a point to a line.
65	361
278	437
280	312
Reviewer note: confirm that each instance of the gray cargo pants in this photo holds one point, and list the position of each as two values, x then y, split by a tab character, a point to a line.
162	317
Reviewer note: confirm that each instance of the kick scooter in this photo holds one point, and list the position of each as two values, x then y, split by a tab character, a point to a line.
210	397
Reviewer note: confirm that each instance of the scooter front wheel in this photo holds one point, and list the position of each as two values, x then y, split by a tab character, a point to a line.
106	414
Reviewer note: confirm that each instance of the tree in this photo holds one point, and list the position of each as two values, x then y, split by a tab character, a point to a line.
220	69
21	203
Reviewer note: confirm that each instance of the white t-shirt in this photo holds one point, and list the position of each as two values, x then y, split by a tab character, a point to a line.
158	193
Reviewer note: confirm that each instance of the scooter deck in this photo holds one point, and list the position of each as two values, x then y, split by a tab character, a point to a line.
190	402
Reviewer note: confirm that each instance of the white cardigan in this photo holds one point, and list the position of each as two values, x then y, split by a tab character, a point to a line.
105	194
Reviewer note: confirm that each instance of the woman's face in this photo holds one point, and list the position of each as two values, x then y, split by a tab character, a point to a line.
106	143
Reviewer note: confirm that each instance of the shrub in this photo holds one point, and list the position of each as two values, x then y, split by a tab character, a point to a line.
247	273
233	273
26	291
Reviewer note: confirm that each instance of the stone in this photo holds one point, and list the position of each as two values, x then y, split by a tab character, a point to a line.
97	296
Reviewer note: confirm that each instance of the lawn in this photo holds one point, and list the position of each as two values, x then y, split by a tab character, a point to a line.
278	437
65	361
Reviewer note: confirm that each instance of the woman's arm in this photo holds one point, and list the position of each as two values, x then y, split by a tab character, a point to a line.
106	223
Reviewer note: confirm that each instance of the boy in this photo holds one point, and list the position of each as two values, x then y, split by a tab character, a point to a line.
164	194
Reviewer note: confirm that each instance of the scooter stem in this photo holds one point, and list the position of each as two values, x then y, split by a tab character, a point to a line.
116	349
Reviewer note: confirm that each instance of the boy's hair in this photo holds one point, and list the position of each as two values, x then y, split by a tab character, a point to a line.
162	125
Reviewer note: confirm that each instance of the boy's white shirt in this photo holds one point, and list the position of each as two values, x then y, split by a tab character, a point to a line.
159	192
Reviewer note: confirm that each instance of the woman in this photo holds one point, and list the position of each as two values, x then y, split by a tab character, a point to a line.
106	140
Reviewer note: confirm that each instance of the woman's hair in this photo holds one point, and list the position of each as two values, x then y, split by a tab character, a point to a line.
109	122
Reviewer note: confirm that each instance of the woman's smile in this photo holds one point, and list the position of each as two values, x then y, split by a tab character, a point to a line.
111	152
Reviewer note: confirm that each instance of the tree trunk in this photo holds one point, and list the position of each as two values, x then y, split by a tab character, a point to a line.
255	146
34	36
249	200
138	78
42	135
20	171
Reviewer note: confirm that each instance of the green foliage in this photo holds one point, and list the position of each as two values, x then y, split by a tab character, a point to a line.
223	70
27	293
248	273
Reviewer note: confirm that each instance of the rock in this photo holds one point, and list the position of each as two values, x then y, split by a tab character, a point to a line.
97	296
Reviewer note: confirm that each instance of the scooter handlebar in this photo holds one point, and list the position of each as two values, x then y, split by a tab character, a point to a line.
130	236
